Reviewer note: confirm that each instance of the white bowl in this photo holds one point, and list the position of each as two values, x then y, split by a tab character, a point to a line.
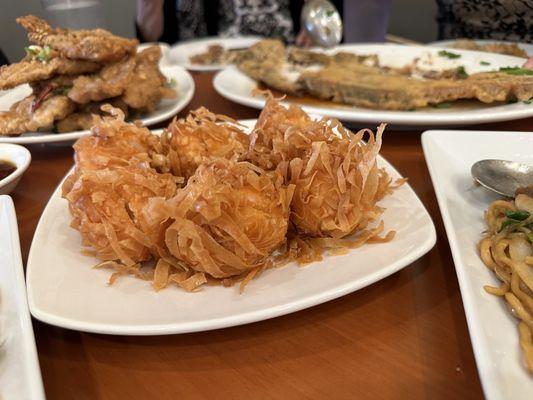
19	156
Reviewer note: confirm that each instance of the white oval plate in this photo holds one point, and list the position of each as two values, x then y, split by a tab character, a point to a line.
64	290
166	109
20	376
493	330
527	47
179	54
236	86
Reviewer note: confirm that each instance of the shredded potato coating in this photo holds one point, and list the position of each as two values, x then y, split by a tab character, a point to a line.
228	219
206	204
337	182
201	137
111	183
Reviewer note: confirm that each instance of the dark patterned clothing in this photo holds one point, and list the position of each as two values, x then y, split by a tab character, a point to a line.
256	17
236	17
192	24
187	19
486	19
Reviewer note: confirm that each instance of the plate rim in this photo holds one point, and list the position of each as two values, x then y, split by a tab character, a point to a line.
233	320
35	384
51	137
477	338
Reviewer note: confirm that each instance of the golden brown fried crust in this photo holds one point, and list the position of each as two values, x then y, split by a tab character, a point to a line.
357	80
28	71
84	117
21	118
94	45
147	86
110	81
369	87
264	62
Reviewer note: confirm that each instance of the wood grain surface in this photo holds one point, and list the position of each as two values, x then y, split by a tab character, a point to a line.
403	337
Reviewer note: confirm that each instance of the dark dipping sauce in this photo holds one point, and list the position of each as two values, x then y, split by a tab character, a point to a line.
6	169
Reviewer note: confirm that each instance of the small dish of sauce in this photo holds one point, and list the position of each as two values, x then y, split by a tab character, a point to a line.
6	168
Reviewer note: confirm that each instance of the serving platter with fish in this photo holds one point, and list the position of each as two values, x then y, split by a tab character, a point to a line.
403	85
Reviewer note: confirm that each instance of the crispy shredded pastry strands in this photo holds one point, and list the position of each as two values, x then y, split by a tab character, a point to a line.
228	219
334	171
206	204
507	250
200	137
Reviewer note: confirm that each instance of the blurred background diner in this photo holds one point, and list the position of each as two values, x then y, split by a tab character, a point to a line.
364	20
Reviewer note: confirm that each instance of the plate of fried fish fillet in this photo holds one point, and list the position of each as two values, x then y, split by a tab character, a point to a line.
215	223
54	93
403	85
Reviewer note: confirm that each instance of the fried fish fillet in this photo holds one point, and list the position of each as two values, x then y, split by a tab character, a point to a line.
110	81
28	70
360	81
372	88
266	61
94	45
148	84
22	117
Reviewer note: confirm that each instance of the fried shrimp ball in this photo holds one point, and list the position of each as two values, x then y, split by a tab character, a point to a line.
228	219
107	209
337	182
113	179
200	137
114	143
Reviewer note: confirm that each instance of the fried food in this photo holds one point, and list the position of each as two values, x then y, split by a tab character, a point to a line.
90	68
304	187
216	54
118	169
228	219
359	81
372	88
511	49
85	116
265	61
94	45
110	81
200	137
28	70
507	250
23	117
336	178
115	143
149	86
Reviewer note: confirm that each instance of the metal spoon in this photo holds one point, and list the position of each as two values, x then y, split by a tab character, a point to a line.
322	22
507	178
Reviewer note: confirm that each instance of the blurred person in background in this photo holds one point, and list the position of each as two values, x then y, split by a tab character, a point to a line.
510	20
177	20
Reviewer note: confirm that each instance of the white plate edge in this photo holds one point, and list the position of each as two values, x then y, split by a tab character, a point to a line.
474	322
36	383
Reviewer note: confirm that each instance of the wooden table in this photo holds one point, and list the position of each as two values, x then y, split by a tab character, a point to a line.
403	337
